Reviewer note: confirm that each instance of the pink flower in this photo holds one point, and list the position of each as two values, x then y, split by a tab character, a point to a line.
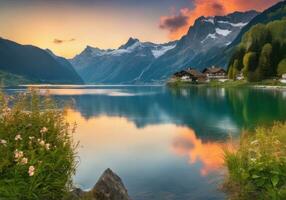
24	161
31	170
18	154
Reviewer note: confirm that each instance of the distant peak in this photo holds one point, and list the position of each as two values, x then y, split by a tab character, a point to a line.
129	43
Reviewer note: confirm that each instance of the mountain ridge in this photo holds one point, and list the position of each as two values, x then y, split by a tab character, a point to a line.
35	64
105	66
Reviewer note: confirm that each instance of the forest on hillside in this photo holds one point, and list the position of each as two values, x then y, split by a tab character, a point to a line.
261	53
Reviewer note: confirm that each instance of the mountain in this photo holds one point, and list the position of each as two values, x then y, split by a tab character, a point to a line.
146	62
122	65
35	64
207	35
222	56
275	12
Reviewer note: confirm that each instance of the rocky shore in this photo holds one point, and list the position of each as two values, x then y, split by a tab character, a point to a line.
108	187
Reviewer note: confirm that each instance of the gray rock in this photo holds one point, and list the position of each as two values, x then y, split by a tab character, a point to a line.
110	187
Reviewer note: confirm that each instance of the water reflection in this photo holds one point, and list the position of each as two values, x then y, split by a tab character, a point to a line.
164	143
209	153
148	159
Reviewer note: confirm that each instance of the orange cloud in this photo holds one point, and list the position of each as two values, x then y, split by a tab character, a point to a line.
60	41
210	8
210	154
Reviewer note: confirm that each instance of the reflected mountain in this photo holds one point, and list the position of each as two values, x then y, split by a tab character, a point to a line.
212	112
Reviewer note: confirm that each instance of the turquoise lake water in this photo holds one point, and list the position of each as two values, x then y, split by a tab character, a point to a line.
164	143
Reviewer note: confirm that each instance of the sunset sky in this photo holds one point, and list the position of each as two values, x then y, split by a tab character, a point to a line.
67	26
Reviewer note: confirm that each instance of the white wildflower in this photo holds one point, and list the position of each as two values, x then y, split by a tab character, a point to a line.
47	146
31	170
18	154
31	137
24	161
4	142
43	130
18	137
42	143
254	142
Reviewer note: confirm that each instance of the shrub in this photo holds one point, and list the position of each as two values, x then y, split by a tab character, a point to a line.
37	154
257	169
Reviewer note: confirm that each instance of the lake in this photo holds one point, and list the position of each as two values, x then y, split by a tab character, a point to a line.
164	143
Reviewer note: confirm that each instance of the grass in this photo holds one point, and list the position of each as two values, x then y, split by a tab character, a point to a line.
37	154
257	169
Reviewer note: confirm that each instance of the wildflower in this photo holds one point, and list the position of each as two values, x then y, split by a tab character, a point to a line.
31	170
43	130
6	110
18	154
47	146
42	143
4	142
24	161
18	137
31	137
254	142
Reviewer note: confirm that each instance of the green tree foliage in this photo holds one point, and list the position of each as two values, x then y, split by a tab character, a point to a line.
249	60
282	67
265	62
262	48
230	72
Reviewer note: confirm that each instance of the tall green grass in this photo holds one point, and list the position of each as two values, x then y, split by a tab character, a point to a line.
37	154
257	169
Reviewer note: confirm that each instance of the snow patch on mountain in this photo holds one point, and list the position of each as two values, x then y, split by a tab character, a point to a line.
241	24
161	50
212	36
223	32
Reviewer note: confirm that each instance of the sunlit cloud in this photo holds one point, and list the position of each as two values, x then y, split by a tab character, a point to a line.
60	41
208	8
210	154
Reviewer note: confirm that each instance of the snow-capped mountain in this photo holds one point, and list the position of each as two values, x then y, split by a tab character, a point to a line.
122	65
146	62
207	35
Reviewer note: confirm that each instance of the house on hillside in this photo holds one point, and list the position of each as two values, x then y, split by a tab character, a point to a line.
197	75
215	72
190	75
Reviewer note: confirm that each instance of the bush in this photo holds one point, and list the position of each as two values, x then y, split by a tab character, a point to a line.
37	155
257	169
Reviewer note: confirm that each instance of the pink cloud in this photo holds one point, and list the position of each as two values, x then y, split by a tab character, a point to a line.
178	24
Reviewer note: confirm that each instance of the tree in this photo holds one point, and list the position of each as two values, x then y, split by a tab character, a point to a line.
265	66
235	68
282	67
230	72
249	63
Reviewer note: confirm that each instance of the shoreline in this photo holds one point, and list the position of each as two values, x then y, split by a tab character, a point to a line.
269	85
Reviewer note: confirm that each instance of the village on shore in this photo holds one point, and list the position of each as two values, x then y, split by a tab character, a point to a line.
207	75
